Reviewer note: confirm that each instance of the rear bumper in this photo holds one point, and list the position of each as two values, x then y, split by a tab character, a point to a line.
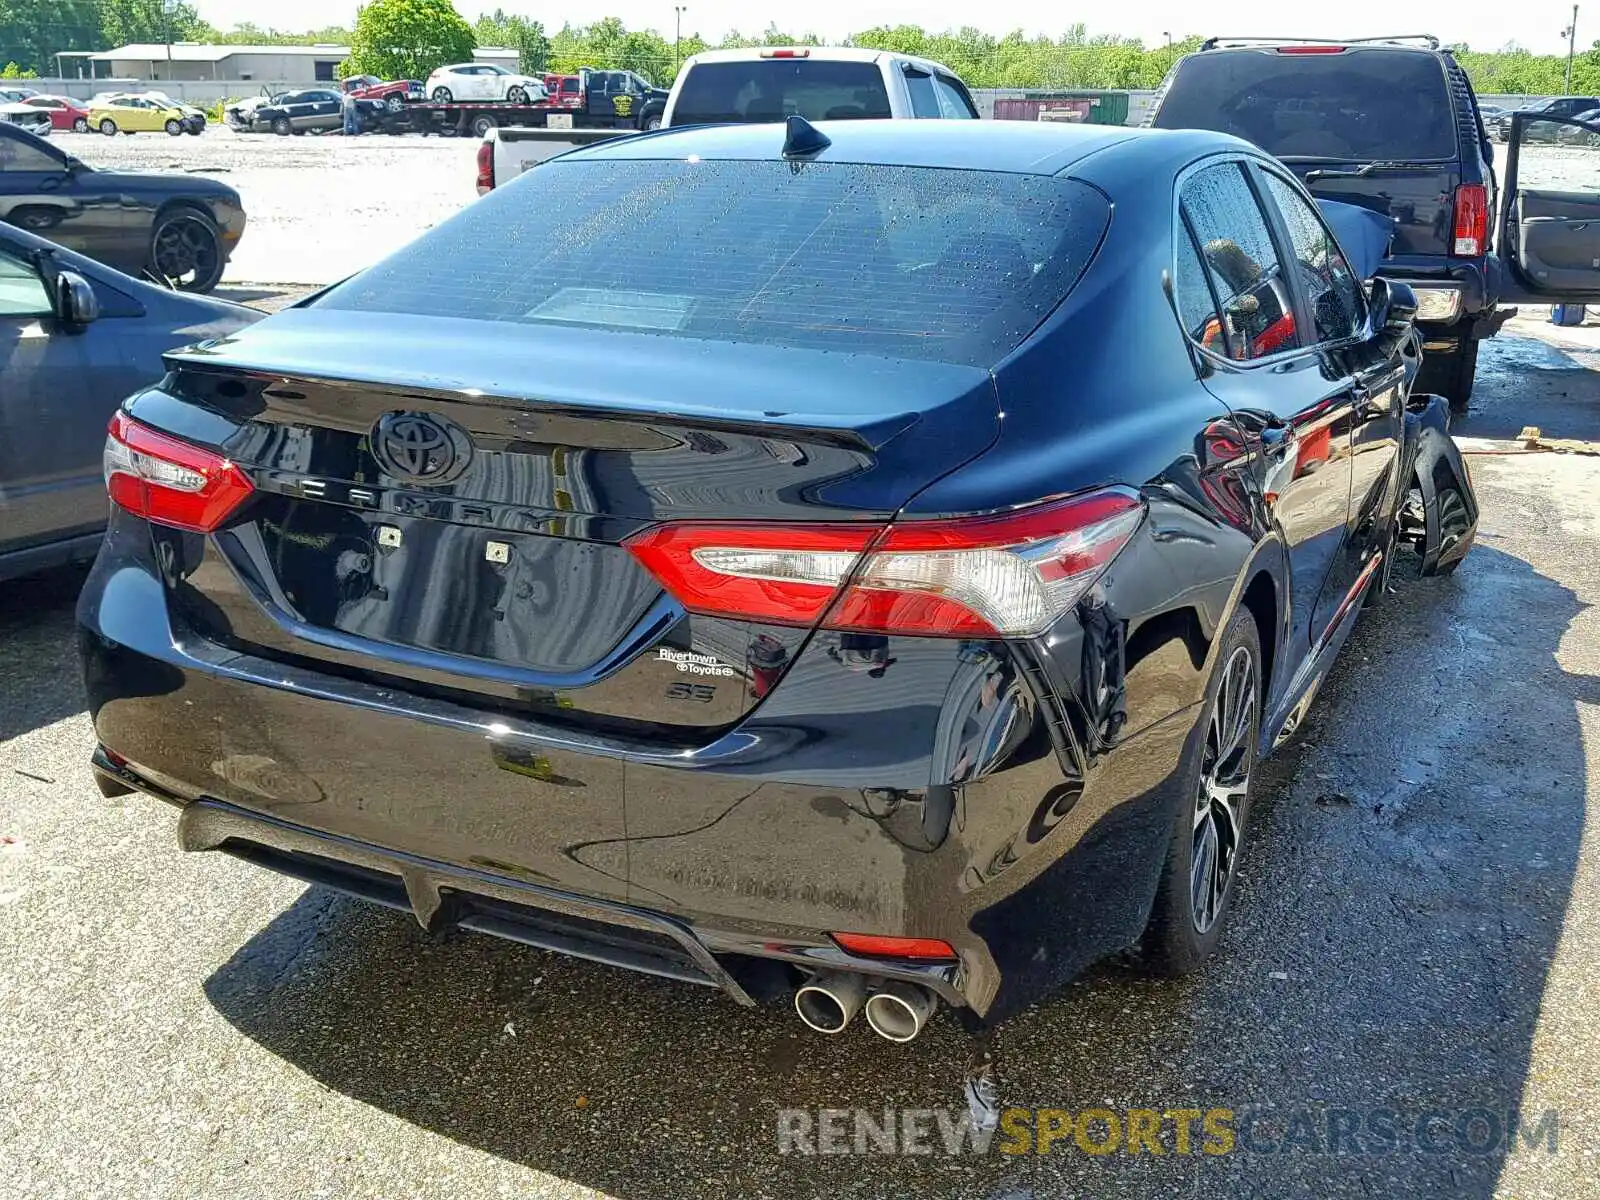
946	797
441	895
1476	282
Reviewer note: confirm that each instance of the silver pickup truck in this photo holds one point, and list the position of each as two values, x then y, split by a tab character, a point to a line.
765	83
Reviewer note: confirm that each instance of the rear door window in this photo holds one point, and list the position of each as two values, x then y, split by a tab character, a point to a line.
18	155
924	99
1241	263
1356	105
908	262
772	89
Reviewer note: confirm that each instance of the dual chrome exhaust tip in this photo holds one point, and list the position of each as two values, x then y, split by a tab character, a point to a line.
830	1000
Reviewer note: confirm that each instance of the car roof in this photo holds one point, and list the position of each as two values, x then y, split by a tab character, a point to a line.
1014	147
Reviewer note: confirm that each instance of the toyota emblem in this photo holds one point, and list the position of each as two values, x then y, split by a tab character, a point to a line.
419	448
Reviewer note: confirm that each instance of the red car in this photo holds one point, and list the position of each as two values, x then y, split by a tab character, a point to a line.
65	112
393	93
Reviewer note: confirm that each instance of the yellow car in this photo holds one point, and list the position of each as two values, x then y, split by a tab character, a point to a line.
135	114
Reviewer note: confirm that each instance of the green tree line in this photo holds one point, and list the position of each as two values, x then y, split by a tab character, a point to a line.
408	38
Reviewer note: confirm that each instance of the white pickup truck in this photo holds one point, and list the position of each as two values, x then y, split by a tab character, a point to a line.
767	83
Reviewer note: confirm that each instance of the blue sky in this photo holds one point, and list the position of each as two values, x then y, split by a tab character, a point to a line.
1536	25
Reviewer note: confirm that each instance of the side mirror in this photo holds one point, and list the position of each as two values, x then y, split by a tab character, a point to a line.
1393	307
76	303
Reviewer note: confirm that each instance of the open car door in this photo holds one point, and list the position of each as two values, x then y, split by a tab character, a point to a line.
1549	223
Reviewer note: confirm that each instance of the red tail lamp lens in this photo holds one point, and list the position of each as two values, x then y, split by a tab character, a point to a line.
1006	575
172	482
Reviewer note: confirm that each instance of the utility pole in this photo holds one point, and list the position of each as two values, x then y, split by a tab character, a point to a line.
1168	36
166	26
677	36
1571	32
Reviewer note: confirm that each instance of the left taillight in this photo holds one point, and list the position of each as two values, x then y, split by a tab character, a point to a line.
171	482
1006	575
1471	221
485	167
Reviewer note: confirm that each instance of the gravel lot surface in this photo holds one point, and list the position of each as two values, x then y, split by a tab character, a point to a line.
1418	928
318	208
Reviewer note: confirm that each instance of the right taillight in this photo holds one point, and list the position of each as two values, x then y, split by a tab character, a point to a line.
485	167
1472	220
1006	575
172	482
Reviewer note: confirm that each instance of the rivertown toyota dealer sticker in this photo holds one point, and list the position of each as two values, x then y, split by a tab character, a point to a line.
696	664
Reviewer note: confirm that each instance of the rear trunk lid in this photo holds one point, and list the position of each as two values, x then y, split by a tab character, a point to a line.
458	529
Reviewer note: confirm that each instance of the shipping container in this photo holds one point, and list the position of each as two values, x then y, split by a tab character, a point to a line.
1085	108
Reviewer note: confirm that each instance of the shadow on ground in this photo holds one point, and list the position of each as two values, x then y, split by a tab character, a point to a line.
1404	899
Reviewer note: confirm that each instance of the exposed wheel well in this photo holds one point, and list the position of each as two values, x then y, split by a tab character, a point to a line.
1261	599
193	205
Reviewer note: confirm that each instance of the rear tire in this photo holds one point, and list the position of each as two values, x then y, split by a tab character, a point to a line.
482	125
441	95
1209	836
394	102
1450	375
282	127
81	125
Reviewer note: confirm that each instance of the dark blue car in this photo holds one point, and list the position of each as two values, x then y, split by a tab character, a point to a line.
75	338
863	560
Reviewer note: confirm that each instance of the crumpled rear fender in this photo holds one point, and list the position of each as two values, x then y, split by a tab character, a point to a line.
1436	467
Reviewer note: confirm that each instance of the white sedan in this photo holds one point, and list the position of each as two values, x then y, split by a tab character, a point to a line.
483	81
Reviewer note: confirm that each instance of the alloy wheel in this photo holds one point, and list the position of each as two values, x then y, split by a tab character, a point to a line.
186	252
1224	783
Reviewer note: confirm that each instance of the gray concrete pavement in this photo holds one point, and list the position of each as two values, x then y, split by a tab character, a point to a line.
1418	931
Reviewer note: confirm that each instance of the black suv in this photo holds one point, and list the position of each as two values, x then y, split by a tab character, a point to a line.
1391	125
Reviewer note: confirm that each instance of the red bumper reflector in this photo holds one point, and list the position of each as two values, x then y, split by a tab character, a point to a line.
874	946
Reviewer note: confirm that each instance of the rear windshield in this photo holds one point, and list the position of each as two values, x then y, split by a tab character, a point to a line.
909	262
770	89
1359	105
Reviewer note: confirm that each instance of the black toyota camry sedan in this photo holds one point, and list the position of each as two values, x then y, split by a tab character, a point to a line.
864	560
